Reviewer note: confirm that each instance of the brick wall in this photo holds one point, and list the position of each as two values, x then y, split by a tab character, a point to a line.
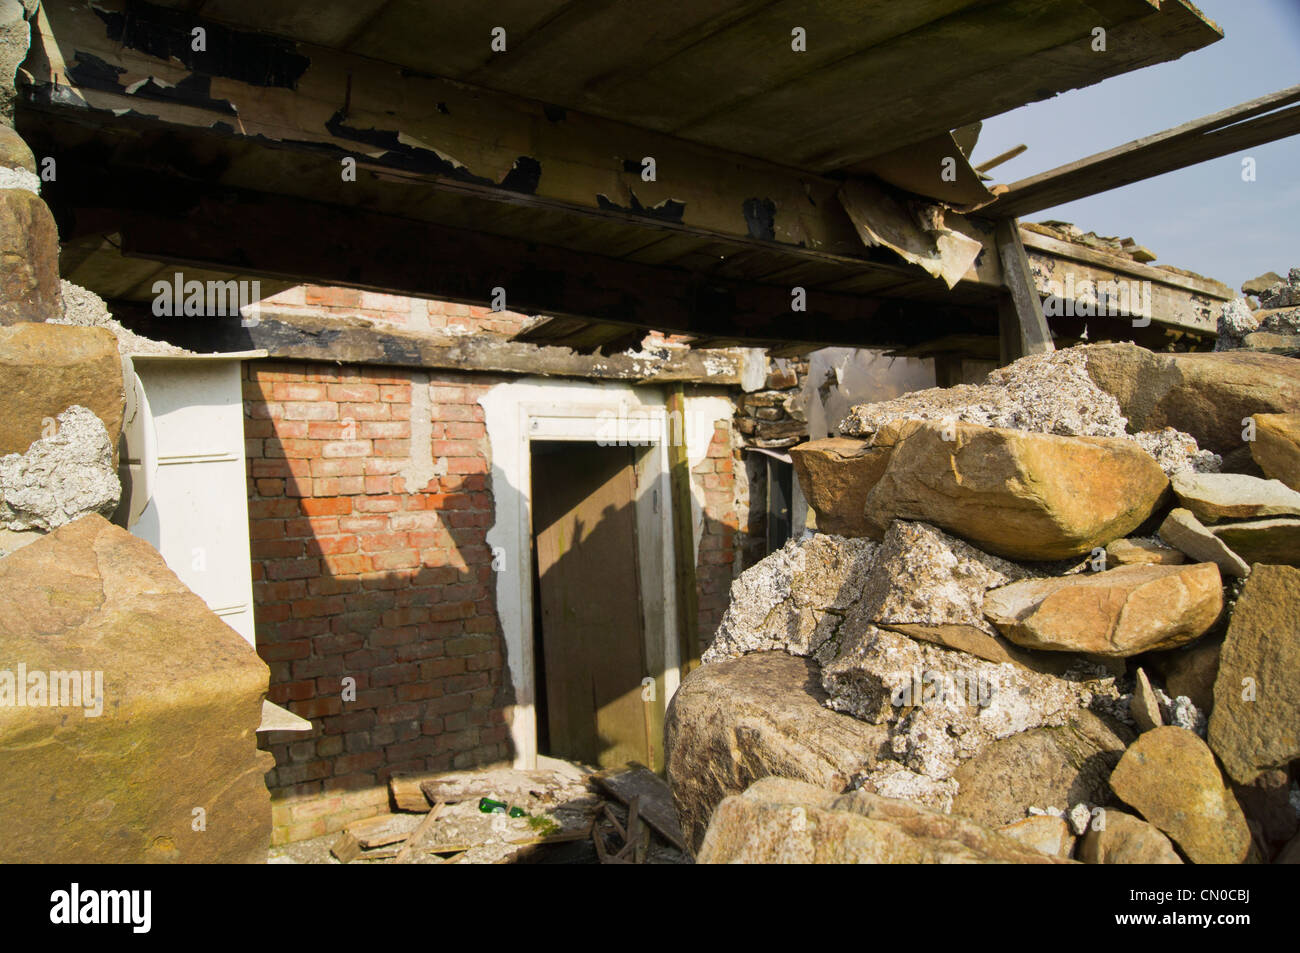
714	478
356	574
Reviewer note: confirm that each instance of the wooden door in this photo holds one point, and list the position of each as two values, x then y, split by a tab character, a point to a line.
593	647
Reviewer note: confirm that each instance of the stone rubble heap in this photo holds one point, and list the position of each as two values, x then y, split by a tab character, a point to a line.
1061	606
1267	319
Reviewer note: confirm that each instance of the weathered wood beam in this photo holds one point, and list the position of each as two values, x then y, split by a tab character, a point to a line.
307	242
1022	325
1271	117
298	337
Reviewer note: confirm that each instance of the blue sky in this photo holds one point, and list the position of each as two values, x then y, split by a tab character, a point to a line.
1204	218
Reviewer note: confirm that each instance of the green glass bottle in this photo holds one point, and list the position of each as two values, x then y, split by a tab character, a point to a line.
489	806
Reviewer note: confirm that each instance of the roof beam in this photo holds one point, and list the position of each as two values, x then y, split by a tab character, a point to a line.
1268	118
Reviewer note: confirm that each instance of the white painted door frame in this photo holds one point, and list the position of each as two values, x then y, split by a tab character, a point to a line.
520	412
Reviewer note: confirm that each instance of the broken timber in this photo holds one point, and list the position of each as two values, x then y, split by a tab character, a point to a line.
1022	325
1252	123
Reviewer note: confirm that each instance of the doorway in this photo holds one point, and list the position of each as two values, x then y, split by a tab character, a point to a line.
589	641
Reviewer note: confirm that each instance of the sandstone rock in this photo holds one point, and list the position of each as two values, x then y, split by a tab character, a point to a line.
1261	284
1256	720
181	697
1217	496
1125	839
1119	612
1053	767
1044	833
1263	541
45	369
1266	802
61	477
1145	707
1191	671
1271	342
1018	494
1170	776
1185	532
836	474
944	706
733	722
1142	552
1276	447
29	259
1205	394
779	821
14	152
794	599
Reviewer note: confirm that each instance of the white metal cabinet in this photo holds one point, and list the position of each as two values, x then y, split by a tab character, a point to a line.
197	511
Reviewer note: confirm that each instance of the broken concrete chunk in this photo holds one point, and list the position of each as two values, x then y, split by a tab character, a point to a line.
1121	838
794	599
782	821
1018	494
1218	496
944	706
170	698
1170	776
836	474
47	368
923	576
1255	725
1263	541
1119	612
1184	531
61	477
1276	447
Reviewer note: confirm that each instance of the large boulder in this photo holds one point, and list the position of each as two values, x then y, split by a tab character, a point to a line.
789	822
1170	776
1043	768
47	368
1276	447
1256	720
1119	612
148	754
836	474
1122	838
1014	493
29	259
1205	394
736	721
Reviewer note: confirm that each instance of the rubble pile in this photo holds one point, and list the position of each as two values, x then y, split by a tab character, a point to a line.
1267	319
557	813
1036	616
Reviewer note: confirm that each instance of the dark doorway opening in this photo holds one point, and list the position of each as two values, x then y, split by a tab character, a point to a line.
588	638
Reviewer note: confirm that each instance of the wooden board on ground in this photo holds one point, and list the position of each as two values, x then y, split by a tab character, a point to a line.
346	849
380	831
654	799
